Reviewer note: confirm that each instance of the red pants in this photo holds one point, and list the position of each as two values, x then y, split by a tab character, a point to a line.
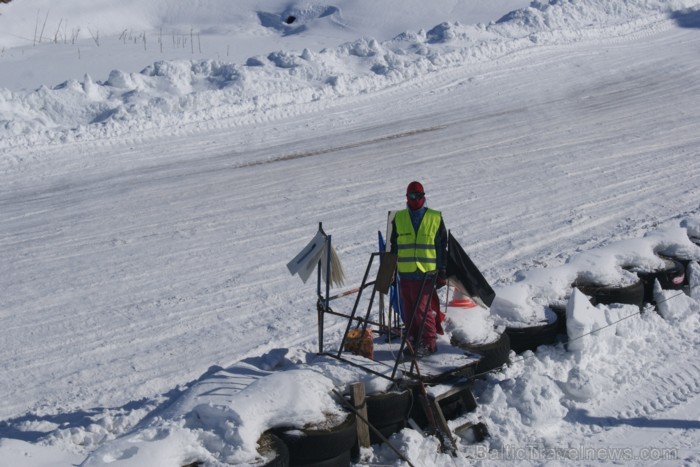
428	309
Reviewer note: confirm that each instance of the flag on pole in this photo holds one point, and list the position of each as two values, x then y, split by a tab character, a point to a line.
308	258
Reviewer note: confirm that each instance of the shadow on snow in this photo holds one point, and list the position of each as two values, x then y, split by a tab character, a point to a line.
582	416
687	18
32	428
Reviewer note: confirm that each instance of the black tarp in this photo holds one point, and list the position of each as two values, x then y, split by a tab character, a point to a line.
461	268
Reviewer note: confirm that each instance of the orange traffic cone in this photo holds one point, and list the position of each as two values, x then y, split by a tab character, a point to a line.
460	300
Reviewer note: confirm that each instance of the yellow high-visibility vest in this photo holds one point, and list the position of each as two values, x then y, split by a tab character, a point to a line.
416	250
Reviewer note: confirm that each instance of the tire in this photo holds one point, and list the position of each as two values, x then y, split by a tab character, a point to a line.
386	431
388	412
671	277
318	445
529	338
685	263
344	459
273	450
389	408
631	294
493	355
560	311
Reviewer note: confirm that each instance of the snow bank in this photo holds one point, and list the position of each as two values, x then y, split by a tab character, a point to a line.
526	403
675	306
694	279
583	319
170	94
693	227
221	417
474	326
521	400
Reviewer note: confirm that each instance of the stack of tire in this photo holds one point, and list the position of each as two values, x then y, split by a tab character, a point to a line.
333	447
388	412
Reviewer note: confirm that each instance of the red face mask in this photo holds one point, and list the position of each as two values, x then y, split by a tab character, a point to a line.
414	203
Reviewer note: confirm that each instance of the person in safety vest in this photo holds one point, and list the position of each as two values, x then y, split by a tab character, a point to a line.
419	240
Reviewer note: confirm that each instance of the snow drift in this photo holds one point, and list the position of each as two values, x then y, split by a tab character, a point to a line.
174	93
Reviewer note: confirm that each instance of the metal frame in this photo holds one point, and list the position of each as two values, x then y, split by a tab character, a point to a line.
323	307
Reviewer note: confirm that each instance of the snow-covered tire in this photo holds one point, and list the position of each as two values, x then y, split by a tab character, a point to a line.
273	450
531	337
318	445
671	277
630	294
493	355
388	412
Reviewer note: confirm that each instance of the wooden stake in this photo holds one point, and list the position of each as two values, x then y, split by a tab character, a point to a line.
358	400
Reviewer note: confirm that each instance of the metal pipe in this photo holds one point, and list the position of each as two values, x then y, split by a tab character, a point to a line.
357	302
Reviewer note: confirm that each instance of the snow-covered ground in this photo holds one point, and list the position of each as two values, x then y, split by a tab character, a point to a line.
161	164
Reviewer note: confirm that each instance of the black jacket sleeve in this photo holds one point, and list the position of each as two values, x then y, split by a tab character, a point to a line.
441	247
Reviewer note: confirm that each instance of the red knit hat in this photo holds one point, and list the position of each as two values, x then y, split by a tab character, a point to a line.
414	187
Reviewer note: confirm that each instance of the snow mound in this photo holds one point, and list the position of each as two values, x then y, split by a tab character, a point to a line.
675	306
167	95
474	326
222	417
583	320
693	227
619	355
694	279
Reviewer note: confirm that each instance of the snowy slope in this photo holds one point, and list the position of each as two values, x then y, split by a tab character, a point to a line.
95	37
147	216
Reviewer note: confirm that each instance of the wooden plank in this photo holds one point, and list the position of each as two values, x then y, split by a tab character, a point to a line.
385	275
442	430
358	400
440	420
449	393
